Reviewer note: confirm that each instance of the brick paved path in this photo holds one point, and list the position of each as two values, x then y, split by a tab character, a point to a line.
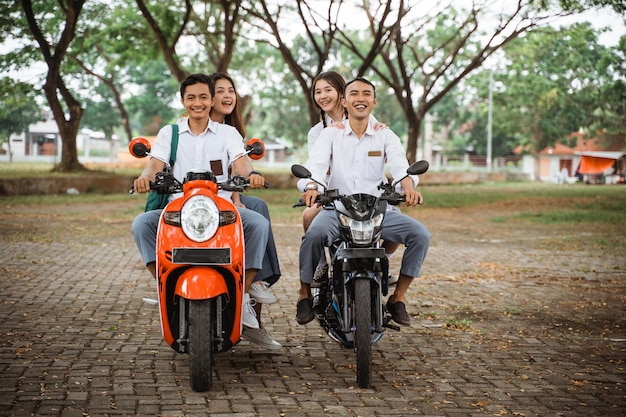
505	327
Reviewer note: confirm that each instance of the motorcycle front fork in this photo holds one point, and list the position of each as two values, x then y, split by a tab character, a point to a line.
183	325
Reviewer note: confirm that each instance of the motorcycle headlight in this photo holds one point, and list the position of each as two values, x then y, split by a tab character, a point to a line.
200	218
362	232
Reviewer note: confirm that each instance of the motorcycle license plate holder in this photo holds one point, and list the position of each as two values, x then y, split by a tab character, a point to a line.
360	253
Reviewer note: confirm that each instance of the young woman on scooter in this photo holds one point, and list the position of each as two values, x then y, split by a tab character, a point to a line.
226	110
203	144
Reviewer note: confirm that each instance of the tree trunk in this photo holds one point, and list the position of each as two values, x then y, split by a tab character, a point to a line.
414	131
68	129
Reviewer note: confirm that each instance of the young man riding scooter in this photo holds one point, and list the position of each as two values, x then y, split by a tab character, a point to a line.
203	144
363	152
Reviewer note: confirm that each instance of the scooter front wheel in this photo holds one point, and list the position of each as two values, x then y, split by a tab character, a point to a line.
200	344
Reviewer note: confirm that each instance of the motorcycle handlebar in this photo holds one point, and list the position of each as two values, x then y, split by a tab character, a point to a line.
393	198
227	186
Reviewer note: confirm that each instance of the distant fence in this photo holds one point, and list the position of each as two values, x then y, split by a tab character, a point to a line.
469	162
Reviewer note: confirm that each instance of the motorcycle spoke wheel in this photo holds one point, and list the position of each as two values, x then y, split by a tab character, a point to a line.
363	333
200	344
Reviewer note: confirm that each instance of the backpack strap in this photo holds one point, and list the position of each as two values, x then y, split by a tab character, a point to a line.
174	144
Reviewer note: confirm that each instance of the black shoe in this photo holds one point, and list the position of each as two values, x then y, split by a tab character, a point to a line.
398	312
320	276
305	313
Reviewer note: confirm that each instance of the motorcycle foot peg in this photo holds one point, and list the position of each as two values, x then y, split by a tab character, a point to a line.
388	325
150	301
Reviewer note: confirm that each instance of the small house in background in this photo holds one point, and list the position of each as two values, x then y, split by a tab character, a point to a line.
42	143
592	160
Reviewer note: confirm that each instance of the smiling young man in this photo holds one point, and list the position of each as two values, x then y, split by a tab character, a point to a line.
203	145
358	166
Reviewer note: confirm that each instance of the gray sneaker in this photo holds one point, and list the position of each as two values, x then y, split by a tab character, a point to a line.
260	337
260	291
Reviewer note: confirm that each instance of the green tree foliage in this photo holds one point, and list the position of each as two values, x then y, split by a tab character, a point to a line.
46	32
18	109
423	54
151	104
610	115
579	5
104	54
552	83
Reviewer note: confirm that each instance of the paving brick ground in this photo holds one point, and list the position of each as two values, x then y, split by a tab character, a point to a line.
503	325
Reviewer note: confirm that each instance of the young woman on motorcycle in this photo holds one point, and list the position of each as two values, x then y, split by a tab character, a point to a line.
202	144
379	148
226	110
326	92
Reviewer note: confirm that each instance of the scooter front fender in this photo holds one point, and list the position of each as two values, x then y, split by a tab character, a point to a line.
200	283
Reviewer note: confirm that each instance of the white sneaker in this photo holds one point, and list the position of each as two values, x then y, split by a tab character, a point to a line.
260	291
393	280
248	315
260	337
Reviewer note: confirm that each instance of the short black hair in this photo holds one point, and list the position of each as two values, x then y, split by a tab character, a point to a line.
197	79
361	79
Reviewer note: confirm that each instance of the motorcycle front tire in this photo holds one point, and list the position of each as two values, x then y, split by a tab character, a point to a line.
200	344
363	332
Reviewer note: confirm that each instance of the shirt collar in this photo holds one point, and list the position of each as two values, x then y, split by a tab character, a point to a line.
183	125
368	131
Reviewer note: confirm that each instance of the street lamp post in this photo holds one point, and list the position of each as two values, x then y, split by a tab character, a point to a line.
489	121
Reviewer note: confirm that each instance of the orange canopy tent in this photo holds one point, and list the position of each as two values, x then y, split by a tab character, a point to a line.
597	162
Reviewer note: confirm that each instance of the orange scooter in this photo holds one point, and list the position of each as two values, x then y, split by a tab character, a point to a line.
200	264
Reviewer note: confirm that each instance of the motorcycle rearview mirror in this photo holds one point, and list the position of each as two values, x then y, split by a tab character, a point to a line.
255	148
300	171
416	168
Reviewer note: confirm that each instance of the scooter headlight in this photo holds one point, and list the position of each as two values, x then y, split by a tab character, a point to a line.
362	231
200	218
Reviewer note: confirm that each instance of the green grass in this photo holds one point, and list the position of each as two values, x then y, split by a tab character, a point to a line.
544	203
454	196
44	170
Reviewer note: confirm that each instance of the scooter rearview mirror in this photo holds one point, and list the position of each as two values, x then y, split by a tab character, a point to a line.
255	148
139	147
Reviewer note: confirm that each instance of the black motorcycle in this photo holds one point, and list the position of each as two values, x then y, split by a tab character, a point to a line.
349	304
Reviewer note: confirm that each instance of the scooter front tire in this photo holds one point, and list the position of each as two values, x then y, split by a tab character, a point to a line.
200	344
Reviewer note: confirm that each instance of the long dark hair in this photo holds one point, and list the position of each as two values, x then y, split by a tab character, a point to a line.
235	118
334	79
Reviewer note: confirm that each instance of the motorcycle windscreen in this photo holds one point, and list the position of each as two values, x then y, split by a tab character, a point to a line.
360	206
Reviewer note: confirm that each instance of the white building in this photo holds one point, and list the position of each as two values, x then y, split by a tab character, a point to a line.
42	143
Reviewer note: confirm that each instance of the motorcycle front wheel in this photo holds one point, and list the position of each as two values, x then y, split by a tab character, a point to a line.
363	332
200	344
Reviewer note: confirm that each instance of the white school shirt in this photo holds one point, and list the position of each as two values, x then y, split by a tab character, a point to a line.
315	131
356	165
211	150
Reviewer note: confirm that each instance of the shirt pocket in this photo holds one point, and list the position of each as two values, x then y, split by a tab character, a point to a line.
374	165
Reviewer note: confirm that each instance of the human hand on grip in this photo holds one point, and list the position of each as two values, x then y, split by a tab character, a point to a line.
412	196
141	185
309	197
256	181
